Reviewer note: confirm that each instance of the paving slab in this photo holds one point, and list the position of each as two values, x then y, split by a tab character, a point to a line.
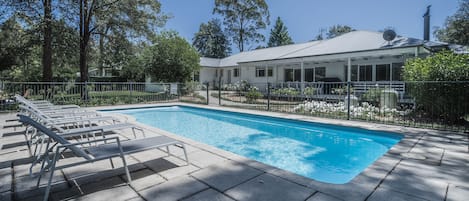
455	159
143	179
25	187
421	171
149	155
174	189
5	179
225	175
208	195
387	194
322	197
6	196
204	158
416	185
458	193
122	193
269	187
170	167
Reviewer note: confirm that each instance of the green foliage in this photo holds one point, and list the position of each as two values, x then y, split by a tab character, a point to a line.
252	95
286	92
456	27
211	41
170	59
372	95
447	100
338	30
309	91
442	66
243	20
279	35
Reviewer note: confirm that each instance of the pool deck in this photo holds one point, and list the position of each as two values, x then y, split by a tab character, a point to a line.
424	165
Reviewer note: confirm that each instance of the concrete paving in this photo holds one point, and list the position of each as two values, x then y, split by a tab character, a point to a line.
424	165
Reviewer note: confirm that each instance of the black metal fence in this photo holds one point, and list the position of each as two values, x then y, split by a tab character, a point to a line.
435	105
99	93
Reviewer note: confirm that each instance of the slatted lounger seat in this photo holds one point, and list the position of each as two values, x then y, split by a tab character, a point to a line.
92	154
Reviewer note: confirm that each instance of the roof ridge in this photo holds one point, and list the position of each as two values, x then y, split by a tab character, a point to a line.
314	44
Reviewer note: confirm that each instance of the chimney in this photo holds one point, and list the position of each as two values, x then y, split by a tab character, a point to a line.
426	24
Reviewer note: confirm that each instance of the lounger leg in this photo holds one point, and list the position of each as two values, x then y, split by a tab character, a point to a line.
49	183
133	131
40	173
185	154
112	163
129	179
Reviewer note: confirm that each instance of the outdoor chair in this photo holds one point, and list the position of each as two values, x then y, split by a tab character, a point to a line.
110	148
83	128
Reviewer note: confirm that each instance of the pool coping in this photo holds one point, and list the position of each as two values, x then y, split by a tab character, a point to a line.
359	188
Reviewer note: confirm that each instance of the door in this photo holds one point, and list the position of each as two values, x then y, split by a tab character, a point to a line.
229	77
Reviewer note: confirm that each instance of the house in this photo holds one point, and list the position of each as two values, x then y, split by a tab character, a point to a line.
365	55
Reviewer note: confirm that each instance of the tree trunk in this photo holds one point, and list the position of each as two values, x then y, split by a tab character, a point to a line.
47	45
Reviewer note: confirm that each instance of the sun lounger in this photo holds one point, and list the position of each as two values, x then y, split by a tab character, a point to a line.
91	154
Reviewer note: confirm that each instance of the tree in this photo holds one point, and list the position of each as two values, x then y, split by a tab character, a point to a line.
279	35
31	11
134	18
338	30
11	45
456	27
211	41
445	99
243	20
320	35
170	59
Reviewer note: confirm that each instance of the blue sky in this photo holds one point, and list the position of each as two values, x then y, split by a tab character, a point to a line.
304	18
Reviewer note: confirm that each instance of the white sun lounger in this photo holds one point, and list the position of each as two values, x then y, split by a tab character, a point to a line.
91	154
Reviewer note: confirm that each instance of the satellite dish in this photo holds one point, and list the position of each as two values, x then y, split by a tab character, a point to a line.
389	35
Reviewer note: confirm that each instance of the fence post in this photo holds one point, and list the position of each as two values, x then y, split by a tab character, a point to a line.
268	96
207	84
348	100
130	93
85	93
219	91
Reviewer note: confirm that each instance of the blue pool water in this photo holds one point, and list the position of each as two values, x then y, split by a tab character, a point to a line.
327	153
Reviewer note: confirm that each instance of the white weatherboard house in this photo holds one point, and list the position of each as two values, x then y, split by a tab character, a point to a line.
365	54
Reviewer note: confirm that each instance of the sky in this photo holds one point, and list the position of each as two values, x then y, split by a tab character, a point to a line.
305	18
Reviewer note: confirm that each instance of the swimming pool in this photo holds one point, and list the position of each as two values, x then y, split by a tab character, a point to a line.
327	153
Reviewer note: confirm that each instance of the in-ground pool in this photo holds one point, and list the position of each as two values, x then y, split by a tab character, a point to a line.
327	153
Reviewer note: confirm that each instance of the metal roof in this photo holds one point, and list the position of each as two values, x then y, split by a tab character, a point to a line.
355	41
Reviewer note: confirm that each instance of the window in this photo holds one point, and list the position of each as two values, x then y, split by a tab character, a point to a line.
288	75
196	77
365	73
397	71
221	72
319	73
383	72
236	72
270	71
309	75
260	72
354	71
216	72
297	75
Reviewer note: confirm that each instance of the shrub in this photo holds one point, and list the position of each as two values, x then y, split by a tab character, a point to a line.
372	95
252	95
444	99
309	91
286	92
